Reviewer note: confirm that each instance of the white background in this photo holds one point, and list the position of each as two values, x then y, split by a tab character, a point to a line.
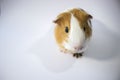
24	55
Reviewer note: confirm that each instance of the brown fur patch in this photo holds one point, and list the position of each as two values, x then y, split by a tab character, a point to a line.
83	18
62	21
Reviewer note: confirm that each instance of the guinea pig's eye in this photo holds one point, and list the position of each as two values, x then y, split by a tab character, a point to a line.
84	28
66	29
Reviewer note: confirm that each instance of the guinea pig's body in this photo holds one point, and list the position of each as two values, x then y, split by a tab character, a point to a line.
73	30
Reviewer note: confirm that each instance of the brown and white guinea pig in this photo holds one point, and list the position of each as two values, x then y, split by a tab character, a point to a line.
73	31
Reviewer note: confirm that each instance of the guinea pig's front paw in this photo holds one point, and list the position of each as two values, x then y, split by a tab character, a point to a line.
64	50
77	55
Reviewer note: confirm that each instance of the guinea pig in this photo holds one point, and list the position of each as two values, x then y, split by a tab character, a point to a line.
73	31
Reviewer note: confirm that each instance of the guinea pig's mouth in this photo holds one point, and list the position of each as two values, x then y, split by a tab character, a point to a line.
73	48
82	49
78	48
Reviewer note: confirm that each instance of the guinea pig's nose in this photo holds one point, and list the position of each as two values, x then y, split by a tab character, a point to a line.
78	47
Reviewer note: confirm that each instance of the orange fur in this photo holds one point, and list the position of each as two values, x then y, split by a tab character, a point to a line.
62	21
83	17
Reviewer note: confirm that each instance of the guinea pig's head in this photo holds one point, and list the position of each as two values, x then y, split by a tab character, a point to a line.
73	29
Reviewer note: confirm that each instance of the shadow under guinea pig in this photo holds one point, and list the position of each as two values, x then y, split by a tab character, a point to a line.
104	43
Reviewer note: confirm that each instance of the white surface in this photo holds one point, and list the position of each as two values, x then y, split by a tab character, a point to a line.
24	56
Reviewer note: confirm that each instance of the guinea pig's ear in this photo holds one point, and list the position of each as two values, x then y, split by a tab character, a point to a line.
89	16
57	21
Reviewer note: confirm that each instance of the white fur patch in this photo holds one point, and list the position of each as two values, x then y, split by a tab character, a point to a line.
89	23
76	35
